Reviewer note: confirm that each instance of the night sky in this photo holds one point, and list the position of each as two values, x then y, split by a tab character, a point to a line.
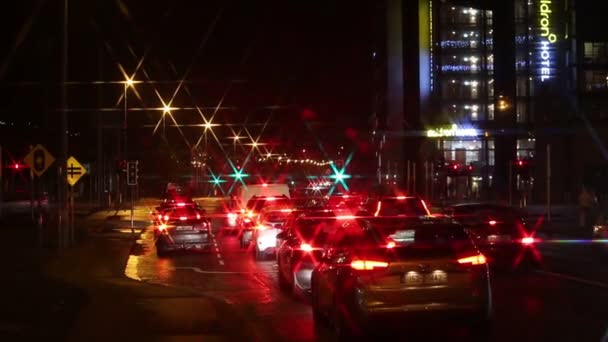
283	62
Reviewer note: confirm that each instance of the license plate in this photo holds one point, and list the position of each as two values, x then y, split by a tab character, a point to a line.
436	277
433	278
499	238
183	228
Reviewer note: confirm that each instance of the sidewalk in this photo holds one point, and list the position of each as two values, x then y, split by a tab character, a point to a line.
95	301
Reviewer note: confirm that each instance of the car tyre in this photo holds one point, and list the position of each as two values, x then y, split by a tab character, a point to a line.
283	284
259	255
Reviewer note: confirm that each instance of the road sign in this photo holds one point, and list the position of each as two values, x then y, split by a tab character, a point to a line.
39	160
132	172
74	170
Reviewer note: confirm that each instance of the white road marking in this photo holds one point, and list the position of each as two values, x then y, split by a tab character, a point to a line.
198	270
575	279
219	256
221	262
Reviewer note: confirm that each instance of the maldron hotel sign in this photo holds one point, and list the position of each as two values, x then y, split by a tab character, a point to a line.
547	38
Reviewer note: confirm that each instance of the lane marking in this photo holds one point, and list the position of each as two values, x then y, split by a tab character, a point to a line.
219	256
198	270
575	279
221	262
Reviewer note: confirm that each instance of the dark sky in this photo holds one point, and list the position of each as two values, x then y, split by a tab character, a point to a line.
296	55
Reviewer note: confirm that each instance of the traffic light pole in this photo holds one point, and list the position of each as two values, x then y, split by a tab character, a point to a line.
132	190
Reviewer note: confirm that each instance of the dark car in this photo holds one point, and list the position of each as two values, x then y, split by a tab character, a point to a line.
499	231
302	248
183	228
370	276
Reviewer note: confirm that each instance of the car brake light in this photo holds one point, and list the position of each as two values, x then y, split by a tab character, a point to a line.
345	217
391	244
250	214
183	218
401	197
231	215
306	247
492	223
361	265
181	204
527	240
198	216
162	227
166	217
160	216
478	259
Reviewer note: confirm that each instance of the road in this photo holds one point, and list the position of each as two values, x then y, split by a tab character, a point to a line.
565	300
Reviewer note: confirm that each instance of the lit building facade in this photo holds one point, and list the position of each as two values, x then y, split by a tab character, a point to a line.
497	98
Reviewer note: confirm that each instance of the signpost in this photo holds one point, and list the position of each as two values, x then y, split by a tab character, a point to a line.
39	160
132	176
74	171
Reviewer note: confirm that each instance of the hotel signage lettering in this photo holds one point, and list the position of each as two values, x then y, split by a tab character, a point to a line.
547	38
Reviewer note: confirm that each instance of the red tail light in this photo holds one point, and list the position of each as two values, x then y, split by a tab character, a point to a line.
181	204
391	244
160	217
306	247
166	217
198	216
367	265
527	240
162	227
183	218
478	259
492	222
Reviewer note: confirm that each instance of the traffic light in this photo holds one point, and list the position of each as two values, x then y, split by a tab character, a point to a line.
522	167
132	172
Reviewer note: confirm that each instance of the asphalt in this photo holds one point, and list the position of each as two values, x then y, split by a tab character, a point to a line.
112	285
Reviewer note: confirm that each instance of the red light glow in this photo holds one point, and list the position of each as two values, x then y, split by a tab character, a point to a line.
401	197
166	217
492	223
391	244
181	204
527	240
306	247
198	216
183	218
425	207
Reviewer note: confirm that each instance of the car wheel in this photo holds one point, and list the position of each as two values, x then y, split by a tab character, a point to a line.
341	328
259	255
283	284
481	328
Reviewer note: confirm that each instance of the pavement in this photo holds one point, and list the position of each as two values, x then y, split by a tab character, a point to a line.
82	293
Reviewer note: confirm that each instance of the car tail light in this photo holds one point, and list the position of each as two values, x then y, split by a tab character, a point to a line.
492	222
166	217
160	217
250	214
232	216
478	259
181	204
162	227
346	217
367	265
198	216
528	240
260	227
391	244
306	247
183	218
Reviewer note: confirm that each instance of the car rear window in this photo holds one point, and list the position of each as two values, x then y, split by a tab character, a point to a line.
402	207
315	230
421	240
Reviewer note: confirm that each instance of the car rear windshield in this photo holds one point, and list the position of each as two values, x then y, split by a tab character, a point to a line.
402	207
424	240
316	231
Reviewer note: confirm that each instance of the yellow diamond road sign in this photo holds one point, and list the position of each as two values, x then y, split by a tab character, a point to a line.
39	160
74	170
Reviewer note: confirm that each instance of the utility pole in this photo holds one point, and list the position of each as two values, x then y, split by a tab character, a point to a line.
100	163
63	215
549	183
1	182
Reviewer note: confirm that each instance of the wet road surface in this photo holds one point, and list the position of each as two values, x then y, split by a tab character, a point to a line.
533	306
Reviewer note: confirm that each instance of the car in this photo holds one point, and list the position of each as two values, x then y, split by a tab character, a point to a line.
183	228
170	203
370	276
247	220
302	249
345	204
270	222
500	232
